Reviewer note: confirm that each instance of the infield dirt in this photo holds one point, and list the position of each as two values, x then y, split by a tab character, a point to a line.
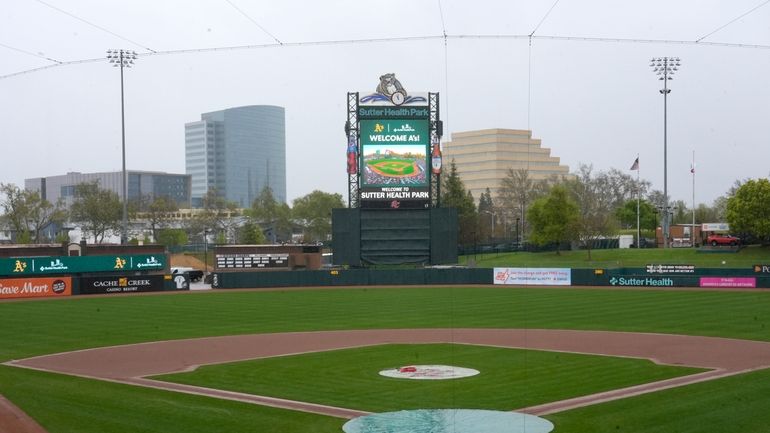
133	363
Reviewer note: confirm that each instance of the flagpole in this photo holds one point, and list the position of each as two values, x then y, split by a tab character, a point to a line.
638	229
693	198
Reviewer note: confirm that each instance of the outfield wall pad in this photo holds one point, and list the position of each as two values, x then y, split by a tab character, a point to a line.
352	277
630	277
697	277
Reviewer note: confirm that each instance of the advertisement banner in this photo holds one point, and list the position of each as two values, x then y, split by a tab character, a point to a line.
79	264
670	269
735	282
634	281
121	284
533	276
715	227
11	288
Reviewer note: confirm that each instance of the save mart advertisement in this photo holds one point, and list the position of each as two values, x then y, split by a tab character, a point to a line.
12	288
81	264
394	160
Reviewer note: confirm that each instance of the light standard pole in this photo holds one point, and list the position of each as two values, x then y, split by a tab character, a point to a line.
518	241
492	215
123	59
664	68
205	253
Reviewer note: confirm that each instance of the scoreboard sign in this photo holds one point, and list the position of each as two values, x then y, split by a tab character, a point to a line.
394	158
250	261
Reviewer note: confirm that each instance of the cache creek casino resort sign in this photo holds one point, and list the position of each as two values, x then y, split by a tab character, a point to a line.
392	149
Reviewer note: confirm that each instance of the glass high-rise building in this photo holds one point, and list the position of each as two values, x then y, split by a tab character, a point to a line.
238	151
140	185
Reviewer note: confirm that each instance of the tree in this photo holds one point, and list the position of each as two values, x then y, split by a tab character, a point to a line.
99	211
485	201
748	210
158	212
706	214
453	194
553	217
28	215
487	215
648	219
314	212
217	214
596	208
517	191
266	212
171	237
15	211
618	187
251	234
681	214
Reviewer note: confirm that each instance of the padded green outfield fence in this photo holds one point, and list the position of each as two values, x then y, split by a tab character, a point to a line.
352	277
637	277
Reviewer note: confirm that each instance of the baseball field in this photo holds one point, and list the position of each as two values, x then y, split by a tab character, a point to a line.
393	167
533	348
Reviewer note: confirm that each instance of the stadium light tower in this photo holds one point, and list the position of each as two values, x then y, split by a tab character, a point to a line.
123	59
665	68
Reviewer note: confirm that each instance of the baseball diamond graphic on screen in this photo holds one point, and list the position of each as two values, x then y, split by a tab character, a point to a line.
400	165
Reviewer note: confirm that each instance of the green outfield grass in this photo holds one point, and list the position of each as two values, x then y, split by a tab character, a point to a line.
68	404
734	404
392	167
508	379
631	258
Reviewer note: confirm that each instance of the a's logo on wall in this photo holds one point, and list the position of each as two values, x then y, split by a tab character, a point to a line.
390	89
20	266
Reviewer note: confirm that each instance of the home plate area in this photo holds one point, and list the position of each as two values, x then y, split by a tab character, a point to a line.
444	420
448	421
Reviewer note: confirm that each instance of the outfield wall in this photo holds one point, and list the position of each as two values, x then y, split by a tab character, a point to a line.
623	277
352	277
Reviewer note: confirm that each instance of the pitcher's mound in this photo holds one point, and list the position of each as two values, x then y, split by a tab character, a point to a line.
432	372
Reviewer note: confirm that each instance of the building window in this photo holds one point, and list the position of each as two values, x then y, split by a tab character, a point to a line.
68	190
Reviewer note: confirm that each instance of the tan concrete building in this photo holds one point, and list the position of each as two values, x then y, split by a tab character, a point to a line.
483	157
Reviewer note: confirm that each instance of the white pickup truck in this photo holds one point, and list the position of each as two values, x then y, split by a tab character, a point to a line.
195	274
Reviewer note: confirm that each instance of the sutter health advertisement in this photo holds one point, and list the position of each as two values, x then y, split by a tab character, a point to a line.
35	287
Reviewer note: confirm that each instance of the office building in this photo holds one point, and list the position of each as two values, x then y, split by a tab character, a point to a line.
484	157
238	151
147	184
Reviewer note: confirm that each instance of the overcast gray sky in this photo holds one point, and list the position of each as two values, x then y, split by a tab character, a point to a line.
590	101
